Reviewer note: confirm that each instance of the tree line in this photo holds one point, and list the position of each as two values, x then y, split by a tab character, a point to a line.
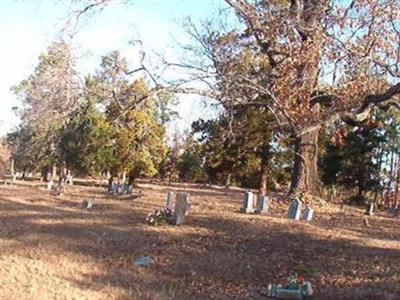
307	92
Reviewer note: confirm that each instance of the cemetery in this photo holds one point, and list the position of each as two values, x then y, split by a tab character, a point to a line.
90	245
200	149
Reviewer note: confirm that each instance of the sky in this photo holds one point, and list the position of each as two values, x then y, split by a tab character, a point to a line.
27	28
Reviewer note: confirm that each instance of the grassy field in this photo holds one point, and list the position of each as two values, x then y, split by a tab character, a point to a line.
52	248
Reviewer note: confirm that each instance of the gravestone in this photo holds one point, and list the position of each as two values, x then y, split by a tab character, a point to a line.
88	203
180	208
50	185
263	205
370	210
69	179
115	187
127	189
130	189
294	209
170	201
308	213
143	261
188	209
248	203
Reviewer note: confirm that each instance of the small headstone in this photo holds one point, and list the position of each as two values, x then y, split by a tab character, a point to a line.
180	208
130	189
308	214
263	205
88	203
170	201
289	294
294	209
143	261
50	185
121	188
248	203
115	187
370	210
127	189
70	180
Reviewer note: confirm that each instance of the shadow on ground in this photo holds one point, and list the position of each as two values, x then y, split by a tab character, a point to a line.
214	256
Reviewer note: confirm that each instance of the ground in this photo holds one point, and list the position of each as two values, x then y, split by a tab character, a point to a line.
52	248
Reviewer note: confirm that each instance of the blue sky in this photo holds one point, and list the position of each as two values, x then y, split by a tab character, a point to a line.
28	27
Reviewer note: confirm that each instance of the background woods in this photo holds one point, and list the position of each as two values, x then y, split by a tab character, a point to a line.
302	88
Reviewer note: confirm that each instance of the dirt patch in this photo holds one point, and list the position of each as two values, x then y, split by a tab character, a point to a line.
52	248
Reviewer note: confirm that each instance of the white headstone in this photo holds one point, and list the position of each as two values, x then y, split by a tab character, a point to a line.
170	201
294	210
308	214
50	185
263	205
88	203
370	210
180	208
248	203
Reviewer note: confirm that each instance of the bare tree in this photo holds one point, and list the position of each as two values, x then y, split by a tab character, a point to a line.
311	63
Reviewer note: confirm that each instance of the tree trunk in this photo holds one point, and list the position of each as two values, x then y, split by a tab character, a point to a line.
228	180
305	168
12	167
131	179
45	172
54	172
263	181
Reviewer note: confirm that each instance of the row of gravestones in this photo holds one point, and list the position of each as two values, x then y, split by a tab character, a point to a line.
248	204
180	207
119	188
294	211
262	206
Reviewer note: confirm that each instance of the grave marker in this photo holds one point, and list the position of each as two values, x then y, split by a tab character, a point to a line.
370	210
308	214
88	203
180	208
50	185
248	203
263	205
170	201
127	189
294	209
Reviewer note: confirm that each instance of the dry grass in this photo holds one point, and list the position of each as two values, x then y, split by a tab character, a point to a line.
52	248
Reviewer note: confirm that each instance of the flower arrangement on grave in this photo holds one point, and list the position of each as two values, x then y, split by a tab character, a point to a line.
159	216
293	287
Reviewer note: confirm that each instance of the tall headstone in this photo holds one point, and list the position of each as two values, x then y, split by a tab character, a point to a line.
294	209
180	208
370	210
248	203
263	205
308	214
170	201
